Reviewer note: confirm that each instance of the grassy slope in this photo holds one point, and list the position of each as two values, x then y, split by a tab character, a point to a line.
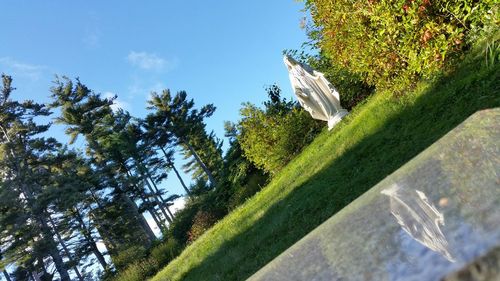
376	139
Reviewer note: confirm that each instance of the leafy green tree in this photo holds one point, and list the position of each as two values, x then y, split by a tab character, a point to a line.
148	165
117	147
272	136
243	178
129	148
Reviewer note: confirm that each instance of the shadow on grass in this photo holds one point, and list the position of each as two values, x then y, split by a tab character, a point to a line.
430	116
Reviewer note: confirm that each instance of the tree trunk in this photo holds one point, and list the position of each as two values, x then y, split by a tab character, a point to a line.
131	204
171	165
142	221
155	196
152	211
41	263
200	162
150	190
164	203
96	199
180	179
90	240
168	210
150	178
65	248
6	274
105	233
47	234
155	218
53	251
103	229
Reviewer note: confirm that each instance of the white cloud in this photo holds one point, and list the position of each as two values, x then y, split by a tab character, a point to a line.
152	224
147	61
16	68
179	204
117	103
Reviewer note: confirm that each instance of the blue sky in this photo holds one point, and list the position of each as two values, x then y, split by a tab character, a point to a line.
221	52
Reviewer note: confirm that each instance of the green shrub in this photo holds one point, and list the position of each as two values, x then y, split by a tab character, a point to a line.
125	257
242	178
492	49
241	193
183	220
212	201
391	43
140	268
166	251
201	223
271	137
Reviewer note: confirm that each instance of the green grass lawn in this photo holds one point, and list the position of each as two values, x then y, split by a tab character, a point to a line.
372	142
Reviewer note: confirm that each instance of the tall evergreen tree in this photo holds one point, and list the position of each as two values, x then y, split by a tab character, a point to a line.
31	237
122	146
164	141
71	195
175	121
146	163
85	113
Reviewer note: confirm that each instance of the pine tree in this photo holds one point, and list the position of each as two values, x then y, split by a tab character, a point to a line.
71	195
176	122
31	236
163	140
88	114
146	163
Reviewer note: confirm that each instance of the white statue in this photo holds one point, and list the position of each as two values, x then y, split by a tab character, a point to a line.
315	93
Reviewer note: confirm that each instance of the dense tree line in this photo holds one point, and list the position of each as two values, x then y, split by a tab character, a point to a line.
58	203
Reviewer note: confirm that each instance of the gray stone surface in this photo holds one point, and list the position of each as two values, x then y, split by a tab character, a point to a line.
430	218
484	268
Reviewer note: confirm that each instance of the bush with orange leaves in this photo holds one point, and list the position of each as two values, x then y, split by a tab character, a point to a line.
393	43
202	221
